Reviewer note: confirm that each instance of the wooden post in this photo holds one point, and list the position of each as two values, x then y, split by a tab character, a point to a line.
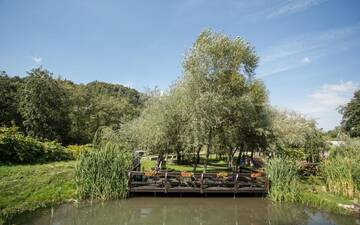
201	183
165	182
236	183
129	181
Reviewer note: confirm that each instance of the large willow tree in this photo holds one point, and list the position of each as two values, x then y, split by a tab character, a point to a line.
216	103
224	100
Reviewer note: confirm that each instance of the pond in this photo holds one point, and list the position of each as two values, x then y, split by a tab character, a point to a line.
178	211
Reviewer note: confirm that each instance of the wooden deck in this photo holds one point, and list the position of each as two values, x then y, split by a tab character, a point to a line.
201	183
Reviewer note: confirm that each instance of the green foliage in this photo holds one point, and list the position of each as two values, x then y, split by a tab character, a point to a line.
324	200
103	171
341	170
99	104
284	179
351	116
9	87
55	109
29	187
77	150
217	103
43	106
296	136
16	148
339	175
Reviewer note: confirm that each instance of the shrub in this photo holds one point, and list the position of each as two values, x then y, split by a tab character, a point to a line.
284	179
16	148
102	172
77	150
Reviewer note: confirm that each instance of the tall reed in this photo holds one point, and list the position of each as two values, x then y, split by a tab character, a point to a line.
284	179
341	170
103	172
340	175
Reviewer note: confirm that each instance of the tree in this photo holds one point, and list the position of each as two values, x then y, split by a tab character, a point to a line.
296	136
98	104
218	76
216	105
43	106
9	87
351	116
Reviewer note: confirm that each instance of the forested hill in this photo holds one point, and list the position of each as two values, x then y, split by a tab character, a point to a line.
116	90
47	107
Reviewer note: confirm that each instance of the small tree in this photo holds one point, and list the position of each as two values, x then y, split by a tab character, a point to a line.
296	136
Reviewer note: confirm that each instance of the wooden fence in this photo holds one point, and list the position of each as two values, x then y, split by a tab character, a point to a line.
187	182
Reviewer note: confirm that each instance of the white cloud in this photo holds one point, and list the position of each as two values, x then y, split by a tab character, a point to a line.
322	104
331	96
36	59
310	42
294	6
306	60
299	51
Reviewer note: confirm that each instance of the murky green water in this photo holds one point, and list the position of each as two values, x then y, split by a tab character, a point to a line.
179	211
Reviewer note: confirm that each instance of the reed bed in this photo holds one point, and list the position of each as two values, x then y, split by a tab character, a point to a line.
284	179
341	175
102	173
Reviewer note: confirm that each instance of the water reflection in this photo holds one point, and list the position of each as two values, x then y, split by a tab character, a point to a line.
178	211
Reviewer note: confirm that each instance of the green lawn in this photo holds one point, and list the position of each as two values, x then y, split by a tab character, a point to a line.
28	187
214	166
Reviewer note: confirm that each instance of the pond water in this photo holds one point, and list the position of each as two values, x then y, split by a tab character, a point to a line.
179	211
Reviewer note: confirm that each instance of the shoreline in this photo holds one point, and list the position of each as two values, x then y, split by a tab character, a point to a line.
26	188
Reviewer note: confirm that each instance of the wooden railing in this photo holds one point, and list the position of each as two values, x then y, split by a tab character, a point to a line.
187	182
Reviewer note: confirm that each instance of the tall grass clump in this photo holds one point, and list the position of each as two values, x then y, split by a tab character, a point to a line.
337	175
341	170
284	179
341	175
102	173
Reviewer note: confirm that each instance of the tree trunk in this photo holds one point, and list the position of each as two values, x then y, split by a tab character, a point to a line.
159	161
237	167
230	159
207	157
178	156
197	159
208	149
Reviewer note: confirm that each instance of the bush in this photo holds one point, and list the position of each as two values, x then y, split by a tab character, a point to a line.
284	179
77	150
102	172
16	148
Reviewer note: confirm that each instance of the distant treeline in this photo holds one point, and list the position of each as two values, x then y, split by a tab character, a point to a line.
47	107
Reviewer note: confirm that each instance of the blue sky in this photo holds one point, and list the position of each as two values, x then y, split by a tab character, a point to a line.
309	49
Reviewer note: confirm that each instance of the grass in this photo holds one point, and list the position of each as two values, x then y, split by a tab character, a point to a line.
339	175
102	173
214	166
29	187
284	179
288	186
324	200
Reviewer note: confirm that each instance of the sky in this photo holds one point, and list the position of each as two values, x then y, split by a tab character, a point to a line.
309	49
